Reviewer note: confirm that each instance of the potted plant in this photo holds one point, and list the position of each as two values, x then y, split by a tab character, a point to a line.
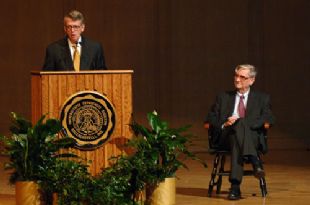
159	149
115	185
65	182
30	148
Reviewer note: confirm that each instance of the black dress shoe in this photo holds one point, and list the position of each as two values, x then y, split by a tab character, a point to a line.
234	194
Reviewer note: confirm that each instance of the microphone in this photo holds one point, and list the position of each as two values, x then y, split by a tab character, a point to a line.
80	42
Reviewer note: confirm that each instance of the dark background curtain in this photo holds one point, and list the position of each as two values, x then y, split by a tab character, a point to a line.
183	53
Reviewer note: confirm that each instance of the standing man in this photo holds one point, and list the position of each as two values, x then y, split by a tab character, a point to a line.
239	116
74	52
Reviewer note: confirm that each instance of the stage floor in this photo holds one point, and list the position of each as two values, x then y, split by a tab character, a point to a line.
288	182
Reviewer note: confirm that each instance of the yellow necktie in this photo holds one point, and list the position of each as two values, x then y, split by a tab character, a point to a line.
76	58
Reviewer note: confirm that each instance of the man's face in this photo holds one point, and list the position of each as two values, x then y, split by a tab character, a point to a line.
73	29
242	80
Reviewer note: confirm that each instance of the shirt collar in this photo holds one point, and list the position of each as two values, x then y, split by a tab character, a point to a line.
78	44
244	94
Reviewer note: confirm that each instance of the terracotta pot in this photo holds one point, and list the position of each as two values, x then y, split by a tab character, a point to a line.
26	193
163	194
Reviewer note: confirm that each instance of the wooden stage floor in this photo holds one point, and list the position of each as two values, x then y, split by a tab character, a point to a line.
288	181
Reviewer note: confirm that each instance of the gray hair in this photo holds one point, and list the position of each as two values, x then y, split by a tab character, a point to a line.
251	68
75	16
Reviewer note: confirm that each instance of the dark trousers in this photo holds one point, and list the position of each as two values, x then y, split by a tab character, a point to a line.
242	142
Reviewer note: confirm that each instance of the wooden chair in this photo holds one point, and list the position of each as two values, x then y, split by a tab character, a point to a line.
218	170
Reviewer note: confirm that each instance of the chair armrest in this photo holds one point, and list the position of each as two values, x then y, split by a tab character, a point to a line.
266	125
206	125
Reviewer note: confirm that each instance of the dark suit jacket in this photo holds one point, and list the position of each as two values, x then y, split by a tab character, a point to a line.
58	56
258	111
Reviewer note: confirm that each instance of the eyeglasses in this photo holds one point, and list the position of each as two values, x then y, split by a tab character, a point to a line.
74	27
241	77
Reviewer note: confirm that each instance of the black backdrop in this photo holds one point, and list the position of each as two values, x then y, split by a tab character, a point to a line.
183	52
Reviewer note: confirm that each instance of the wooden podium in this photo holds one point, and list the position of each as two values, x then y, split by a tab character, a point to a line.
50	90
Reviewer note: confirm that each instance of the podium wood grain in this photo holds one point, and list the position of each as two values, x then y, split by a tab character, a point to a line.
50	90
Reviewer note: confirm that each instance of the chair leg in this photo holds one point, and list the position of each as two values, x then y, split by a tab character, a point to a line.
262	182
263	186
219	181
213	174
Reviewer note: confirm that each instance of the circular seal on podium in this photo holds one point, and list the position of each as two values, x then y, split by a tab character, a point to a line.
89	118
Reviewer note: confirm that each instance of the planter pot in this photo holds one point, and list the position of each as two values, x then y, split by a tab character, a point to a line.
55	198
163	194
26	193
139	197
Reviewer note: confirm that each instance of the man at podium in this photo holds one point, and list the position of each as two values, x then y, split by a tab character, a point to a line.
74	52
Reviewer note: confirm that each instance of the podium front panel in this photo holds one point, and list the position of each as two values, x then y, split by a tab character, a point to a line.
50	90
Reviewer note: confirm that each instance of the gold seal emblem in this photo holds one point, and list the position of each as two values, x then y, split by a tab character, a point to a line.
89	118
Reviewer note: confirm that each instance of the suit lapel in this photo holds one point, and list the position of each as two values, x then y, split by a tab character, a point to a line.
66	54
231	103
250	103
85	55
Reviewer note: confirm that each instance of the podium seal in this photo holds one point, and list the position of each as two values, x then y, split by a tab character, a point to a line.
89	118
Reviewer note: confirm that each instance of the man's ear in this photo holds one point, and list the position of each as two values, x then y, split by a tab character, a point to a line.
82	27
252	80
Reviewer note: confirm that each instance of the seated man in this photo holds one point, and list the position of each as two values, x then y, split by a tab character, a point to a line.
239	116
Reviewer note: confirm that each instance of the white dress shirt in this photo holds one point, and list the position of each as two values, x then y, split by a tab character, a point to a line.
71	47
237	99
